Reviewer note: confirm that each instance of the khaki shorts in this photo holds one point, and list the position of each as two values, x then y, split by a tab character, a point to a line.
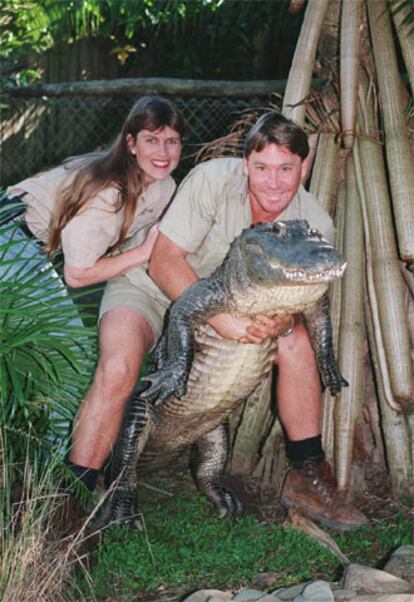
137	291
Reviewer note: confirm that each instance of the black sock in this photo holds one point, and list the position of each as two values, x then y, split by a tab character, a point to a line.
305	450
88	476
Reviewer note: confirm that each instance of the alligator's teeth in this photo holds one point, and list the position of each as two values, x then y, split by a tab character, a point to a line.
299	275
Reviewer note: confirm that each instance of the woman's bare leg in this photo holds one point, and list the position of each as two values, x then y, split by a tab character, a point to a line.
124	338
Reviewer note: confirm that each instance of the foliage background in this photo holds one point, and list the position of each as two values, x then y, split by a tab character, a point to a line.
229	39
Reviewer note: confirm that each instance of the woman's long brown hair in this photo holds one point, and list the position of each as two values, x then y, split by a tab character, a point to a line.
115	168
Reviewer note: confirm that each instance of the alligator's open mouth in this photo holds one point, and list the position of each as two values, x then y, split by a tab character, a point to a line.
302	276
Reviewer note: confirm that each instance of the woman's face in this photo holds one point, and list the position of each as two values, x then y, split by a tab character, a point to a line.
157	152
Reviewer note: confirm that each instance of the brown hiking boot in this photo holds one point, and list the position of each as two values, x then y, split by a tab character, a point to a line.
313	489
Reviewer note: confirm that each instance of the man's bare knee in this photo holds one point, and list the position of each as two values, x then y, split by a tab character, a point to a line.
295	346
116	376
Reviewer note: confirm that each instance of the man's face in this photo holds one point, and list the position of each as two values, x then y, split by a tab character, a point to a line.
274	176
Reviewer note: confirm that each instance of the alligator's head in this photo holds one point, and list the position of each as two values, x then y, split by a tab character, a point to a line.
280	266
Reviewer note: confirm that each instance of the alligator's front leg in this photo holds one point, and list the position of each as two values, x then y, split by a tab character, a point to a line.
122	505
208	460
198	303
319	327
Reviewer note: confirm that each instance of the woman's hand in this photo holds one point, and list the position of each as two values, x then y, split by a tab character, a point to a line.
148	244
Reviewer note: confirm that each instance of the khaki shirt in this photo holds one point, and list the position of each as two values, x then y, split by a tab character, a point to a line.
212	207
90	234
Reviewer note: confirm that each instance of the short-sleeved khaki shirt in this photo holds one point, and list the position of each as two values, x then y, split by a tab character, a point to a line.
212	207
209	210
90	234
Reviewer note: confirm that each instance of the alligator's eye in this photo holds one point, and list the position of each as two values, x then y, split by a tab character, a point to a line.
315	233
252	247
277	228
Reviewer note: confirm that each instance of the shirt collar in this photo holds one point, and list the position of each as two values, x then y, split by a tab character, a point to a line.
239	193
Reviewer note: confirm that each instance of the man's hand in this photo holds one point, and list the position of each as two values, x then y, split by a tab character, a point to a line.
265	326
250	330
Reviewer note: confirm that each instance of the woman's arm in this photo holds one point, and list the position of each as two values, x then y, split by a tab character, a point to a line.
110	267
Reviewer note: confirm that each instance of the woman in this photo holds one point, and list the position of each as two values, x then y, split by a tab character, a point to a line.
102	210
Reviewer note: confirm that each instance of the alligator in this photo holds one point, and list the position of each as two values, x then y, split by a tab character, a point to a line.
198	378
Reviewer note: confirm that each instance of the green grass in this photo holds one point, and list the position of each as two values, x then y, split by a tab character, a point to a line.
186	546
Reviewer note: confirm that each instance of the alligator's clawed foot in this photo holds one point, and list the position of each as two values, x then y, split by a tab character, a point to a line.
164	384
119	509
227	503
333	380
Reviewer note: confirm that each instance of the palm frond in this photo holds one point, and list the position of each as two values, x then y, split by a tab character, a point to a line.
47	354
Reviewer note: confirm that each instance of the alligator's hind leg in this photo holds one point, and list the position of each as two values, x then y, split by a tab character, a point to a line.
208	460
122	505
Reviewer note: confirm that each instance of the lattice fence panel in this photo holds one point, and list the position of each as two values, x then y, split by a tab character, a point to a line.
37	133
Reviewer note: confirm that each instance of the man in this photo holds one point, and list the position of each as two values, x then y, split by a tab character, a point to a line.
214	203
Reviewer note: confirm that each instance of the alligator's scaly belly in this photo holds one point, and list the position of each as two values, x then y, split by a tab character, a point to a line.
224	373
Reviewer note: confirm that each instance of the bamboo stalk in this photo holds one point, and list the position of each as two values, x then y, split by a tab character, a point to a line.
351	21
313	140
323	179
271	466
400	14
352	332
410	420
401	172
408	277
397	435
328	401
328	425
374	306
251	428
300	74
393	422
388	285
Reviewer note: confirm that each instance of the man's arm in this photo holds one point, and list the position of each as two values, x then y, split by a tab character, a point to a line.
170	269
